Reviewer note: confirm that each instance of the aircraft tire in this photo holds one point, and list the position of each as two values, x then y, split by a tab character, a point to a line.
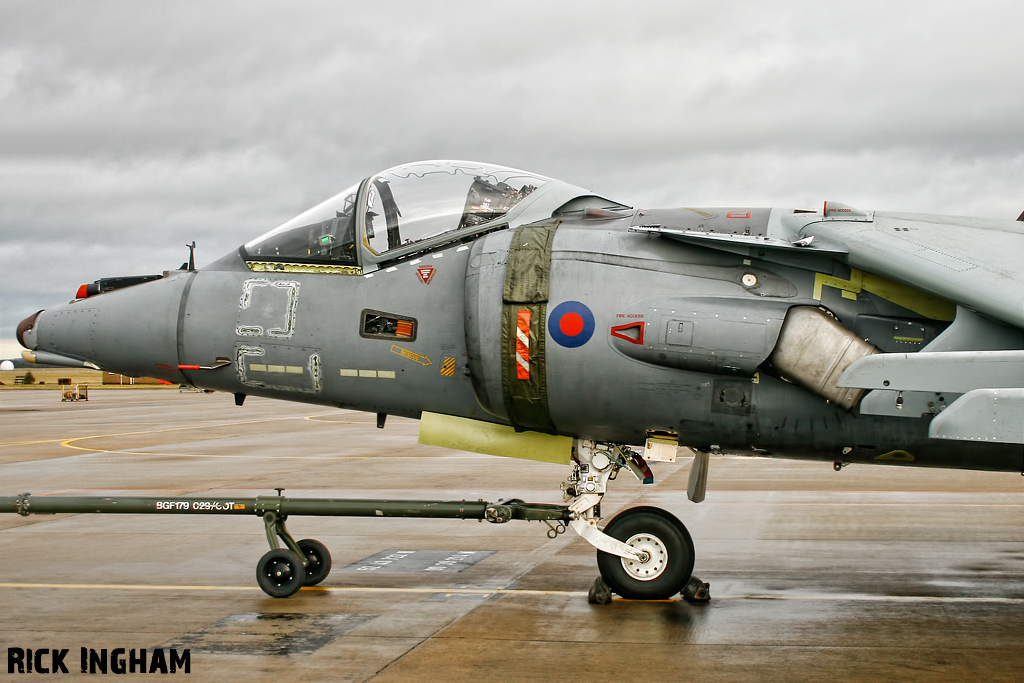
664	538
318	561
280	573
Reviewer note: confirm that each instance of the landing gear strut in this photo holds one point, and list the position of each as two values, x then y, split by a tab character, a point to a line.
643	553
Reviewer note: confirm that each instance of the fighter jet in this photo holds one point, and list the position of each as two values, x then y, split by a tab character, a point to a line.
523	316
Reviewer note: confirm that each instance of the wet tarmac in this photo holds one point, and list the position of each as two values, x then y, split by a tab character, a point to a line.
871	573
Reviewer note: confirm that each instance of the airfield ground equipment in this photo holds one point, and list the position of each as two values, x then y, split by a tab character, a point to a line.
662	549
283	570
74	392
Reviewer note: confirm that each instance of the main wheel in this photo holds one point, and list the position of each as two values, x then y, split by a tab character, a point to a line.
669	551
280	573
318	561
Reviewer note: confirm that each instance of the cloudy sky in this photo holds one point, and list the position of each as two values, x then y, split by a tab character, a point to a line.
129	128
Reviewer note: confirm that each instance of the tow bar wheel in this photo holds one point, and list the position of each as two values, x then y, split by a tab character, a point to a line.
668	555
280	573
318	561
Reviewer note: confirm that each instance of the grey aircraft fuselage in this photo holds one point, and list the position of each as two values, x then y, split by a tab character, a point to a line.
626	333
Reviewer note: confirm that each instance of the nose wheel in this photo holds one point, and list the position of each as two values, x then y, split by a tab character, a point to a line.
666	555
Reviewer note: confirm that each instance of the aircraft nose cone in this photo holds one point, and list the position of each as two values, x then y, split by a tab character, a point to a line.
132	330
27	331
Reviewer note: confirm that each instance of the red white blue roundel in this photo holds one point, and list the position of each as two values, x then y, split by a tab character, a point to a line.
571	324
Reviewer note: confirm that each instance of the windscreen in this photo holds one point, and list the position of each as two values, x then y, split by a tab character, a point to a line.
404	205
415	202
324	234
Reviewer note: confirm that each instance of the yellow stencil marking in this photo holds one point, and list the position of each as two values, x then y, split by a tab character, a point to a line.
705	214
275	267
908	297
379	374
406	353
896	455
448	367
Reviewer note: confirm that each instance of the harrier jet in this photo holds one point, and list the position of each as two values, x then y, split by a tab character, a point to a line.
523	316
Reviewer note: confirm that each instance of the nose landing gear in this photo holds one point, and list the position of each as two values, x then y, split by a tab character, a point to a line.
643	553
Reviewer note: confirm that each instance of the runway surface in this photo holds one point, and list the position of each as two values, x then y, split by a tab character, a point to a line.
872	573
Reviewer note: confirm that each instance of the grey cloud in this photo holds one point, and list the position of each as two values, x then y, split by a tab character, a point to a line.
128	129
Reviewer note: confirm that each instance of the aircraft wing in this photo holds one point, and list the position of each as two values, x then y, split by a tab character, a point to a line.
974	262
992	384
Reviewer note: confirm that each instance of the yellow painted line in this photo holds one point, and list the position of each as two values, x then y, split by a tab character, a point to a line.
322	589
855	504
825	597
432	591
115	586
68	442
28	443
839	597
152	431
211	455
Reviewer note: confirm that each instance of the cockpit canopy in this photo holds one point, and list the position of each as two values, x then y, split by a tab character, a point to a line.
402	206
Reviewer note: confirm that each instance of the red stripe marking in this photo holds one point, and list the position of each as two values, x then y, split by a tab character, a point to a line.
523	350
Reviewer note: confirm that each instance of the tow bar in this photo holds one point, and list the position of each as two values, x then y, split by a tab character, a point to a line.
283	570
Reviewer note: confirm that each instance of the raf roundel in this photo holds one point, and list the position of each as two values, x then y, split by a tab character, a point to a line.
571	324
